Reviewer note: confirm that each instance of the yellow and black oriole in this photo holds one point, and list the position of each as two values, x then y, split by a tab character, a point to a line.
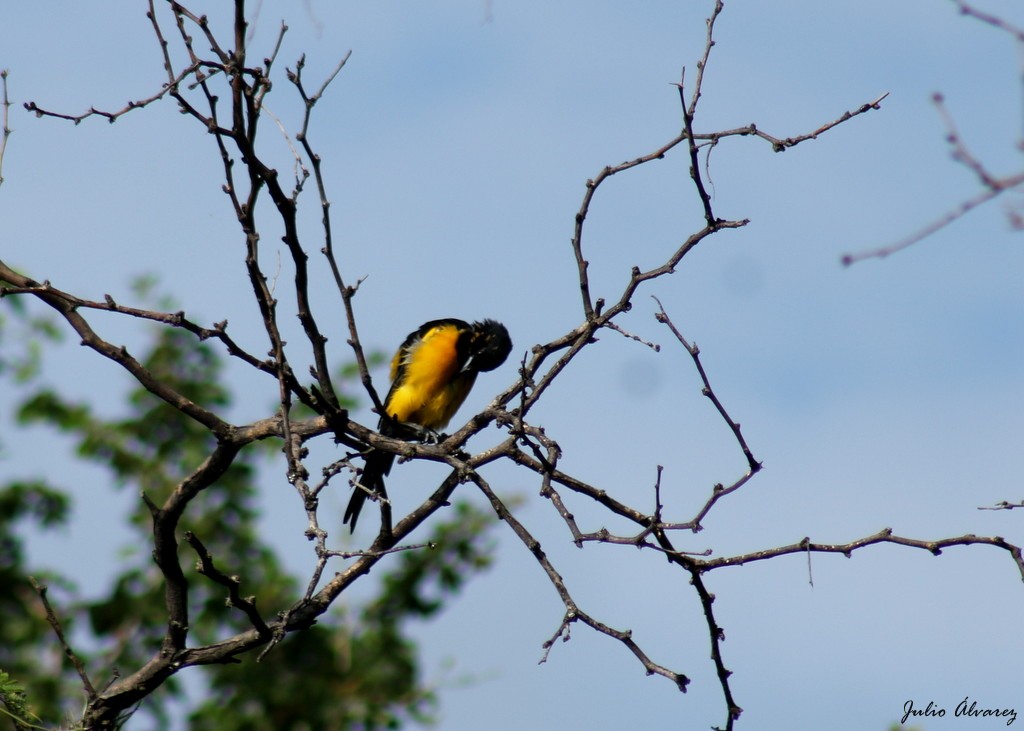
431	375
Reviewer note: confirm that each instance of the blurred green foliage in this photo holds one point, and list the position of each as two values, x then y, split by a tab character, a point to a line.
354	669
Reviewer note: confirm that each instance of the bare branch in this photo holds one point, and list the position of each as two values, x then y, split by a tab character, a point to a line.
347	293
207	568
573	612
5	129
175	319
690	110
119	355
1003	505
885	535
709	42
993	187
581	215
694	352
51	617
782	144
165	541
993	20
717	636
113	116
938	224
377	554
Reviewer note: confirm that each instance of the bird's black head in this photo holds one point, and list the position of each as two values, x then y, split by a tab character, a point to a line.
489	346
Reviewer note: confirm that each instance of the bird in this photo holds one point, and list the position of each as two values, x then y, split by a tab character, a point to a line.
431	374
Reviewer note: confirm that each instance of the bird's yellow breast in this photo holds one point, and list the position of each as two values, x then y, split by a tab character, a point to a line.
428	388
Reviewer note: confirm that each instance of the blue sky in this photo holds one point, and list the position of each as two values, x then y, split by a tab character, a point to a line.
885	394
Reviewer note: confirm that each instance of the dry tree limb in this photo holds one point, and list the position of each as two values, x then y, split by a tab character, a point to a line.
5	129
72	656
993	186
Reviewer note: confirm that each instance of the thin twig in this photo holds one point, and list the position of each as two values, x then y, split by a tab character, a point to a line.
993	186
694	352
935	547
690	110
208	568
573	612
346	292
172	319
781	144
113	116
5	130
938	224
993	20
51	617
430	545
119	355
1003	505
717	637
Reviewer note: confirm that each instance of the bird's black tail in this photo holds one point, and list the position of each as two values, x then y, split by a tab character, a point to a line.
378	464
370	481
